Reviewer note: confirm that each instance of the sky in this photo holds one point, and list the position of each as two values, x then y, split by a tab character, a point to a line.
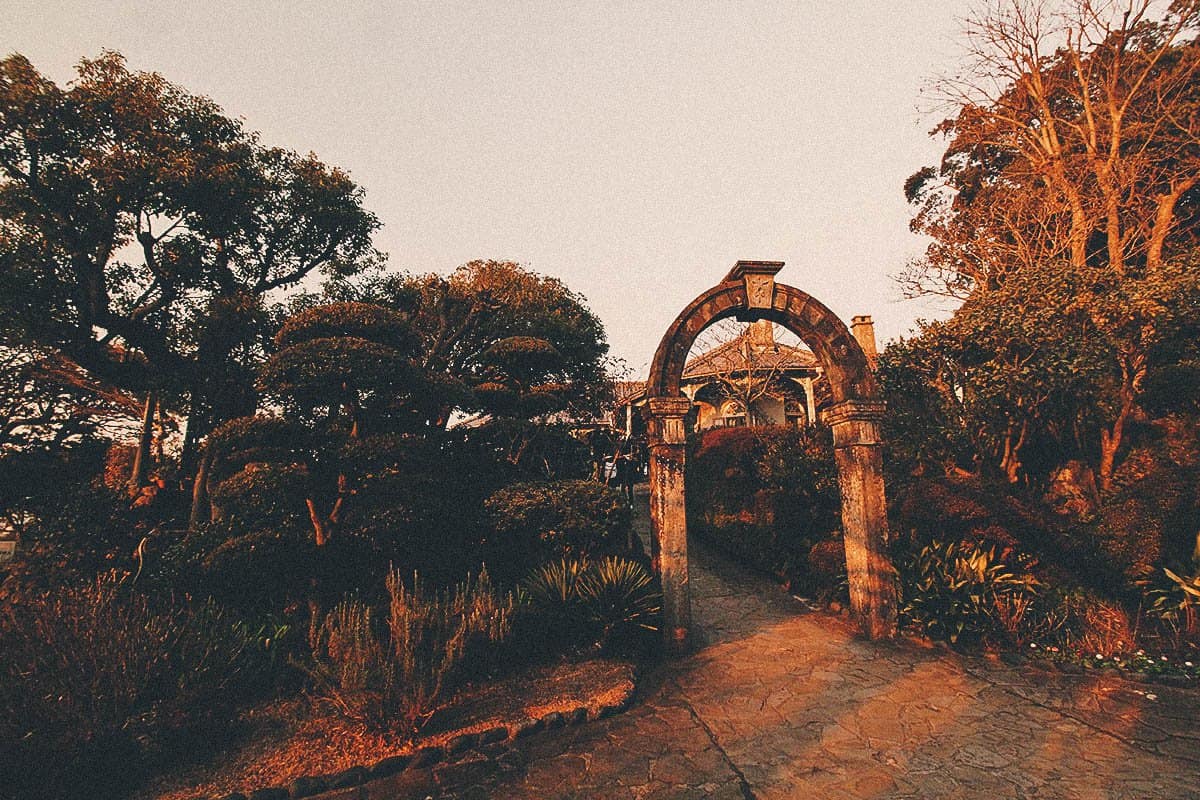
635	150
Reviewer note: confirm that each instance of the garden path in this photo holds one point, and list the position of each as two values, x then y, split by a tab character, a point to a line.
782	702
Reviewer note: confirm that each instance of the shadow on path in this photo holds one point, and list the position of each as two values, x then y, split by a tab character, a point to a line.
781	702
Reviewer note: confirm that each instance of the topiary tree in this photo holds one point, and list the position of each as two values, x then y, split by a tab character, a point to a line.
536	522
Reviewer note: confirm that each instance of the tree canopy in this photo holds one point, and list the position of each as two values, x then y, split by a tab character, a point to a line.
1064	214
132	211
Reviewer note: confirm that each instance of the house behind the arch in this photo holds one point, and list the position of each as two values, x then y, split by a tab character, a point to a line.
794	389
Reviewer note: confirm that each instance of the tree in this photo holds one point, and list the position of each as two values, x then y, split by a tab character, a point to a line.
46	402
1076	134
524	343
129	208
745	362
1022	379
1075	140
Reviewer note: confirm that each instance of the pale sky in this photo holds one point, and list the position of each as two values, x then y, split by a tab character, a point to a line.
635	150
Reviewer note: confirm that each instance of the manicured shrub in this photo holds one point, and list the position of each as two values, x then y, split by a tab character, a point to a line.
621	600
542	521
91	679
393	670
767	495
827	571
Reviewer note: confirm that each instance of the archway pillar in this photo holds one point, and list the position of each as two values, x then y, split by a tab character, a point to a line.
859	457
668	514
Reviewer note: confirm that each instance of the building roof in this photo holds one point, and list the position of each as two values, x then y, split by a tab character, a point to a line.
743	354
755	348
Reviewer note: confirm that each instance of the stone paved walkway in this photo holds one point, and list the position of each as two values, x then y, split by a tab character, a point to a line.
780	702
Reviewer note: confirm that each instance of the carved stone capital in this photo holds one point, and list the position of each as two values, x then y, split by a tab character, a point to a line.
855	422
669	406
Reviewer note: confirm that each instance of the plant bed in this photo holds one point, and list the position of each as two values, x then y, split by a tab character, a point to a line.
292	741
1177	670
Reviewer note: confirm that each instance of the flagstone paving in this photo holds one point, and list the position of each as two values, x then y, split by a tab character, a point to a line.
782	702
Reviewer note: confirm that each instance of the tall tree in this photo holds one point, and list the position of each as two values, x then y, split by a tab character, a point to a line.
1077	139
524	343
1076	134
129	206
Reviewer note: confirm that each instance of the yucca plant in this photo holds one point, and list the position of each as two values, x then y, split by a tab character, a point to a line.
553	591
556	583
603	603
620	597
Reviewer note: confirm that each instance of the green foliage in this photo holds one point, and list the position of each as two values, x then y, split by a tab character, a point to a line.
924	429
72	528
525	343
621	599
132	205
547	520
262	495
611	604
364	321
767	496
90	676
396	671
525	450
1175	604
951	591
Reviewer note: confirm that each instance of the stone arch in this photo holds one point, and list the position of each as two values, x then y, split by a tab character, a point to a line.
749	293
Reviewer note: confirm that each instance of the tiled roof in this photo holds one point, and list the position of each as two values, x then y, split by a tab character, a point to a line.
732	357
729	358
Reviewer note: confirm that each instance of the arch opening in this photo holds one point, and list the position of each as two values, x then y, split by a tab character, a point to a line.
749	293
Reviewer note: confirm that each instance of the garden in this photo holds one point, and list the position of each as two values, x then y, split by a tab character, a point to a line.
285	516
253	510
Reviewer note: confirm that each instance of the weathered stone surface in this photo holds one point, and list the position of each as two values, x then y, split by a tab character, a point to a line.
389	766
491	735
307	787
270	793
354	776
413	783
460	744
749	292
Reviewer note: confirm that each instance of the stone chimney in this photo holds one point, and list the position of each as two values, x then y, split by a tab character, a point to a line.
761	333
863	328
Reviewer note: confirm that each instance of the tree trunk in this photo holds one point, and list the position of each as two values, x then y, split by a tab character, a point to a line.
201	509
1164	220
1110	440
141	460
1010	462
320	528
191	439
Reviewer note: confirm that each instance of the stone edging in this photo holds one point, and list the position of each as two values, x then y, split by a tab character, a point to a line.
431	755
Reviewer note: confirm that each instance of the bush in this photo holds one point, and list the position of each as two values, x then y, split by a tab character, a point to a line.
1174	604
393	673
767	496
952	592
536	522
91	678
611	604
